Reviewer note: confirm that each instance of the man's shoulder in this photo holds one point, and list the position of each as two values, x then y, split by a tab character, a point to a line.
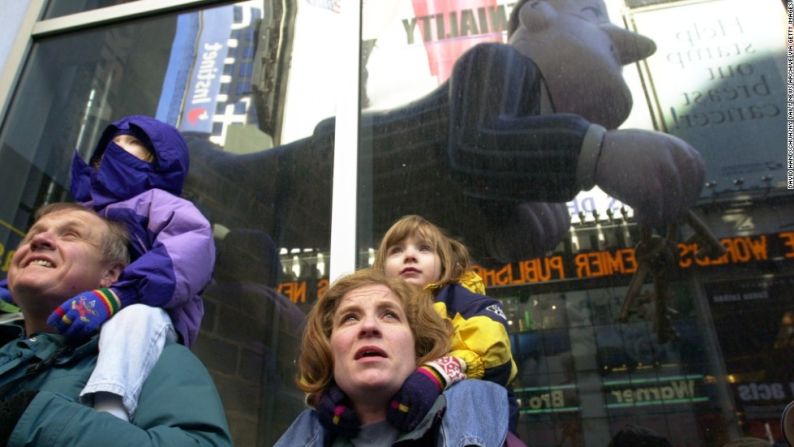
178	353
177	357
177	367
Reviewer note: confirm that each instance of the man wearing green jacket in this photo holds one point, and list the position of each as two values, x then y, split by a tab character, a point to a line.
70	249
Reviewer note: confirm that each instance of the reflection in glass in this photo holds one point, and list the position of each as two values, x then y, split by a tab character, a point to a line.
220	75
252	87
58	8
708	384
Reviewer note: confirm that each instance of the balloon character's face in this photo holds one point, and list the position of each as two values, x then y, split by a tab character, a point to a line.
580	54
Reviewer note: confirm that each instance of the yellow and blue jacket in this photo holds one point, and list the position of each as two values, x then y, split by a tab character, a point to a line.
480	329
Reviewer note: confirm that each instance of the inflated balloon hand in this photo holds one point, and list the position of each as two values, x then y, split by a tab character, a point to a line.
530	230
658	175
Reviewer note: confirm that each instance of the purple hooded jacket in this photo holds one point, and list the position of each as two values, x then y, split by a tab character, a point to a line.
171	243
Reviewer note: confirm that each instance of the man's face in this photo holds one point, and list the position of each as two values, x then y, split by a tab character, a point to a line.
60	257
580	54
372	344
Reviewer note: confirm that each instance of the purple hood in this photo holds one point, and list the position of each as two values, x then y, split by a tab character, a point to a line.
121	175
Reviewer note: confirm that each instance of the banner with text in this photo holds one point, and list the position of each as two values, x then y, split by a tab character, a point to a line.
717	77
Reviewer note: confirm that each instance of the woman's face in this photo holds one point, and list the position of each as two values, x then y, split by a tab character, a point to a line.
372	344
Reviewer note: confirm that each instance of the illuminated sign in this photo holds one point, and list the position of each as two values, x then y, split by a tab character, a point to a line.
653	391
773	391
297	291
547	399
623	261
599	264
763	400
617	394
587	204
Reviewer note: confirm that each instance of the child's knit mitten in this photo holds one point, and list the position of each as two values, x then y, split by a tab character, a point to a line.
420	390
336	413
79	316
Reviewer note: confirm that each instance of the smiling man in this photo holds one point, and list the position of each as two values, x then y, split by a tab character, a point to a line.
67	250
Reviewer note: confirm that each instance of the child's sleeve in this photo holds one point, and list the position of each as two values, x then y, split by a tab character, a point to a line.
480	335
179	263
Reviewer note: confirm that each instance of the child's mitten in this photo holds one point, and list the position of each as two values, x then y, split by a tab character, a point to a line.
84	313
420	390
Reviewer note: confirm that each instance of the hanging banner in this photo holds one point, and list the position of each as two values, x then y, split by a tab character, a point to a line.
717	78
193	78
449	28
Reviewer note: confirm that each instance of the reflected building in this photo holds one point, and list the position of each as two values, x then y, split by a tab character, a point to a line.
252	86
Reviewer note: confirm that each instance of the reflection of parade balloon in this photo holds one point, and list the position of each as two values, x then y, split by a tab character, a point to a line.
470	154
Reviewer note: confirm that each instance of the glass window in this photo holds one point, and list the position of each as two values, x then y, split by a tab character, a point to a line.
246	69
255	173
486	133
58	8
451	113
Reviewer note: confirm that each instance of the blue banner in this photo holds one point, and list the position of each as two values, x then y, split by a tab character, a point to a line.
193	78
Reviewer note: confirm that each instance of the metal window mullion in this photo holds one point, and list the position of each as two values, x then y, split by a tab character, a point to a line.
12	66
345	171
116	13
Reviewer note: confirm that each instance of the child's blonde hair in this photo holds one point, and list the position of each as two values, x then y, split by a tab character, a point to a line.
454	256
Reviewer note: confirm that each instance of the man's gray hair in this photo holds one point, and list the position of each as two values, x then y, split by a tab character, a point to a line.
114	241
